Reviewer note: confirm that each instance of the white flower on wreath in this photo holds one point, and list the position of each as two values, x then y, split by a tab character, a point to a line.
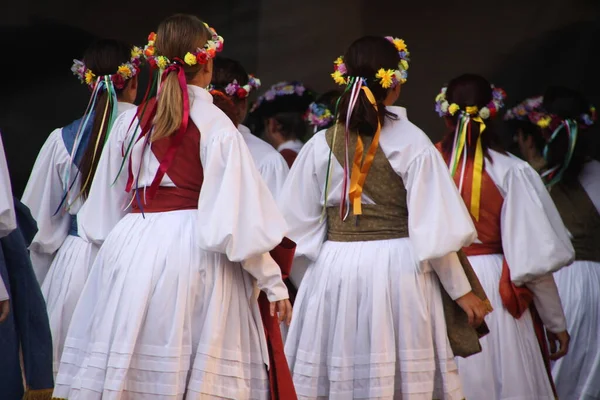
484	113
444	106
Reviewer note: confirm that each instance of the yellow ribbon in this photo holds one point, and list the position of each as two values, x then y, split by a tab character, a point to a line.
477	161
359	172
477	172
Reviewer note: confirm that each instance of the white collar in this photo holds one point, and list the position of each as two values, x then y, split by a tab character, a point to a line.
123	106
198	93
294	145
399	111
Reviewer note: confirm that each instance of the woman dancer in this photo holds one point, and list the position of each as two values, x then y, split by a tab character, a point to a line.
62	175
170	307
554	136
369	320
521	241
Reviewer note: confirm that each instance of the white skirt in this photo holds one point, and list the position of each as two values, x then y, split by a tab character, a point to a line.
577	375
369	324
511	364
62	287
161	318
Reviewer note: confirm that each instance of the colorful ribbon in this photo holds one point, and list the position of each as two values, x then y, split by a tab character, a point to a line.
109	114
460	145
555	174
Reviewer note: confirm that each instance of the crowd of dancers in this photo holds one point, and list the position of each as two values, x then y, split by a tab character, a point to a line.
172	242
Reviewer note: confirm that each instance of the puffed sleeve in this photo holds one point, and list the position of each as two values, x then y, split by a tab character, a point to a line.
274	170
8	221
300	203
107	201
43	195
438	222
531	222
237	212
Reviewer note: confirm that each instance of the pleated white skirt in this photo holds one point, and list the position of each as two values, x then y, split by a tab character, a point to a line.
62	287
511	364
577	375
369	324
161	318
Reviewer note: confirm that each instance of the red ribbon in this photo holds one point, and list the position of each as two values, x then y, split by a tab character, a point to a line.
175	140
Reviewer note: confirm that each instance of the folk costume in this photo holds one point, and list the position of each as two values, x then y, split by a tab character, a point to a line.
170	307
521	240
61	258
369	320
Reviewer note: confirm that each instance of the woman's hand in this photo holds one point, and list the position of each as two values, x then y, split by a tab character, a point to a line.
284	310
4	310
563	340
475	308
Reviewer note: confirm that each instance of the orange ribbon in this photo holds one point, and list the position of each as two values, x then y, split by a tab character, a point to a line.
359	172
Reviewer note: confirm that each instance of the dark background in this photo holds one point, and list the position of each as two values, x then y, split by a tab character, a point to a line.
519	45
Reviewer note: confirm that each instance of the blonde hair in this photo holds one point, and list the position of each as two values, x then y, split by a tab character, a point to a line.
176	35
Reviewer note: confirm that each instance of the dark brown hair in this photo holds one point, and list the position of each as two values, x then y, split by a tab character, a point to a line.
225	104
225	71
466	91
102	58
566	104
363	59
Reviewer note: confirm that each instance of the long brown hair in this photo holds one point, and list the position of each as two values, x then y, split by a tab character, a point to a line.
176	36
102	58
363	59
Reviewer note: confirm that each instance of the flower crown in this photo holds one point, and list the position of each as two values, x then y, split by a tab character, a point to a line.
387	78
319	115
201	56
444	109
241	92
124	72
280	89
532	109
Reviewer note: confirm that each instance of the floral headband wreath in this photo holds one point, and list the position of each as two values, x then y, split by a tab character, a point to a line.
277	90
124	72
234	89
387	78
532	110
148	108
466	117
98	84
213	46
319	115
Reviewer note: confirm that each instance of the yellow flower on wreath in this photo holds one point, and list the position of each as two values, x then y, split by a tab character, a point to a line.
453	108
125	71
400	45
161	62
544	122
190	59
386	77
89	77
339	61
338	78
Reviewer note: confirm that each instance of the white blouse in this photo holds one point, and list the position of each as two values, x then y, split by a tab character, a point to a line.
236	210
534	238
43	195
270	163
438	222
